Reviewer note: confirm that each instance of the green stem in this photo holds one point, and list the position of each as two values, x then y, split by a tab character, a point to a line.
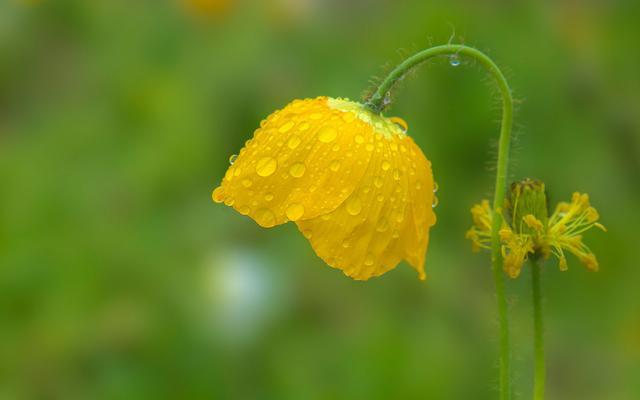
379	101
538	330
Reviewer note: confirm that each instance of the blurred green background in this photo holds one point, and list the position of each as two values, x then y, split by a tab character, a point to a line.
120	279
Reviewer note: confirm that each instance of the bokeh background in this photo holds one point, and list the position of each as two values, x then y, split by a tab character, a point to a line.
120	279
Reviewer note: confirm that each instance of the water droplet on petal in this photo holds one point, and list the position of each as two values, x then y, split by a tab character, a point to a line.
244	210
345	244
295	211
435	202
380	198
395	234
297	170
454	60
293	142
359	139
386	165
369	147
383	225
307	233
378	181
369	259
327	134
354	206
266	166
218	195
418	186
435	187
402	124
246	182
229	201
233	158
286	126
265	218
335	165
268	196
348	117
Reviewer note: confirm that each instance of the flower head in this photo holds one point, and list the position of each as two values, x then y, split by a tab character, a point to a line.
358	188
528	232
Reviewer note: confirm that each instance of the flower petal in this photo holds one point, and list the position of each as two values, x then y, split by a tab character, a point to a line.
386	218
303	162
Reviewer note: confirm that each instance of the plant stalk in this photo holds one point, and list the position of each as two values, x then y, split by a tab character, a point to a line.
380	100
538	331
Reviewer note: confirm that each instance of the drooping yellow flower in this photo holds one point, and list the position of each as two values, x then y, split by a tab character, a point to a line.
358	188
523	234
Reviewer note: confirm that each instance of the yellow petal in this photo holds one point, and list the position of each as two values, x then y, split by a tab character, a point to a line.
386	218
303	162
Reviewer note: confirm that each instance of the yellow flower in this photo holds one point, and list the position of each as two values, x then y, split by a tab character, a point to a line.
358	188
526	236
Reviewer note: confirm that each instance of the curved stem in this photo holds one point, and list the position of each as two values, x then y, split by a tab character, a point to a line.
379	100
538	329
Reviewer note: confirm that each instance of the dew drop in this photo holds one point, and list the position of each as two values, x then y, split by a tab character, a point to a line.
303	126
386	165
400	218
335	165
435	187
307	233
369	259
348	117
418	186
359	139
380	198
354	206
383	225
293	142
435	202
345	244
233	158
265	218
244	210
369	147
395	234
327	134
297	170
386	100
229	201
266	166
378	182
268	196
286	126
218	195
394	146
335	147
246	182
454	60
295	211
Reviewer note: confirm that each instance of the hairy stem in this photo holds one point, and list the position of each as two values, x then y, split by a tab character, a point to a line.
538	332
379	101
